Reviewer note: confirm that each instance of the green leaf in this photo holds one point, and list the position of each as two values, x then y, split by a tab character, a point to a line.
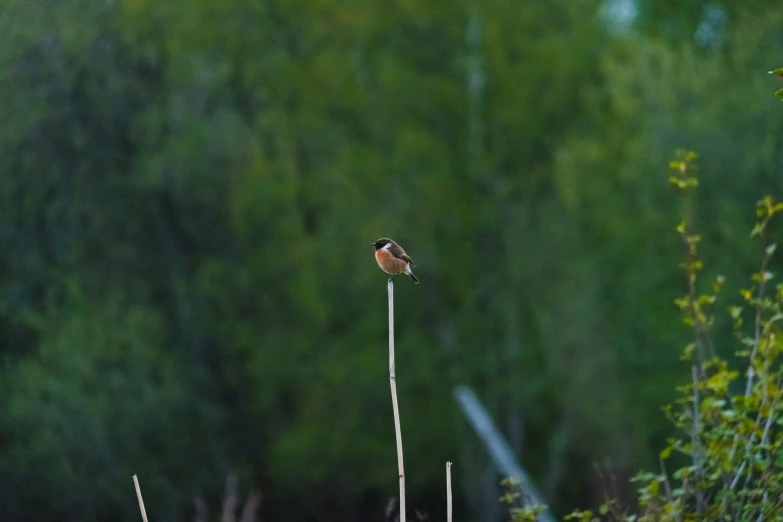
681	227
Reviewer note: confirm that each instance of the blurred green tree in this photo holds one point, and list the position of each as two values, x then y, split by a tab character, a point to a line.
197	183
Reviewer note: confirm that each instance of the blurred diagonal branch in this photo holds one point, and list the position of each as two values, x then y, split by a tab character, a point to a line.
141	501
499	450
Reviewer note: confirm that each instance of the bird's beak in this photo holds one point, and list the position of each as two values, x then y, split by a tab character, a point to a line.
373	244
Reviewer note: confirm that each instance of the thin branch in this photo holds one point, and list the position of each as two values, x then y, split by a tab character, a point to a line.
393	385
448	492
764	500
756	341
698	460
757	322
141	502
771	414
739	474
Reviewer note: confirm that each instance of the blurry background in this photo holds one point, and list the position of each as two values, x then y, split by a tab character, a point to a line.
188	190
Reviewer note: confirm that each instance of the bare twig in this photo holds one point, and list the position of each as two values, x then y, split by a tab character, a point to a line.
738	475
448	492
141	502
393	385
751	373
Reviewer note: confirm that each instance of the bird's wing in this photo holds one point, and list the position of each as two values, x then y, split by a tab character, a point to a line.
397	251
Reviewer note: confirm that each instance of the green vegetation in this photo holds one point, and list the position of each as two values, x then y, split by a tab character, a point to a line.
187	194
728	450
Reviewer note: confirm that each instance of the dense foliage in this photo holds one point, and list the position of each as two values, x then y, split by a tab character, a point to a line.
727	445
187	195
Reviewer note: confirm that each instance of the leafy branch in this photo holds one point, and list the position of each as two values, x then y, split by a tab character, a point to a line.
779	73
731	436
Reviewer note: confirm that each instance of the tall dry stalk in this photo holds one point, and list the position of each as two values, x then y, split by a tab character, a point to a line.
448	492
393	385
141	502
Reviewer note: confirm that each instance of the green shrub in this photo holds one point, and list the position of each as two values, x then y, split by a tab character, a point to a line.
725	461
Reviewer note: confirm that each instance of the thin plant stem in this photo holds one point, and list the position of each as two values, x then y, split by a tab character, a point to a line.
448	491
141	502
695	438
393	385
757	323
751	373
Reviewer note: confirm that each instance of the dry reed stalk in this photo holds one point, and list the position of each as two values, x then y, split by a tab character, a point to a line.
448	491
393	385
141	502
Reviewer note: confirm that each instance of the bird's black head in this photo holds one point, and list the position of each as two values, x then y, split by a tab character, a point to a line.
382	242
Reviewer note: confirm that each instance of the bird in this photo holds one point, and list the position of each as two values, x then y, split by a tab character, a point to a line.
392	259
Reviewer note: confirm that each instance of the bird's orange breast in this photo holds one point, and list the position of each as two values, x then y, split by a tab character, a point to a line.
389	263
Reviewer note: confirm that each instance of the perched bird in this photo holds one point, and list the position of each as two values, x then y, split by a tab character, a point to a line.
392	258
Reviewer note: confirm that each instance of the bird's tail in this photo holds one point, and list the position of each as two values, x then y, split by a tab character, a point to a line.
415	279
